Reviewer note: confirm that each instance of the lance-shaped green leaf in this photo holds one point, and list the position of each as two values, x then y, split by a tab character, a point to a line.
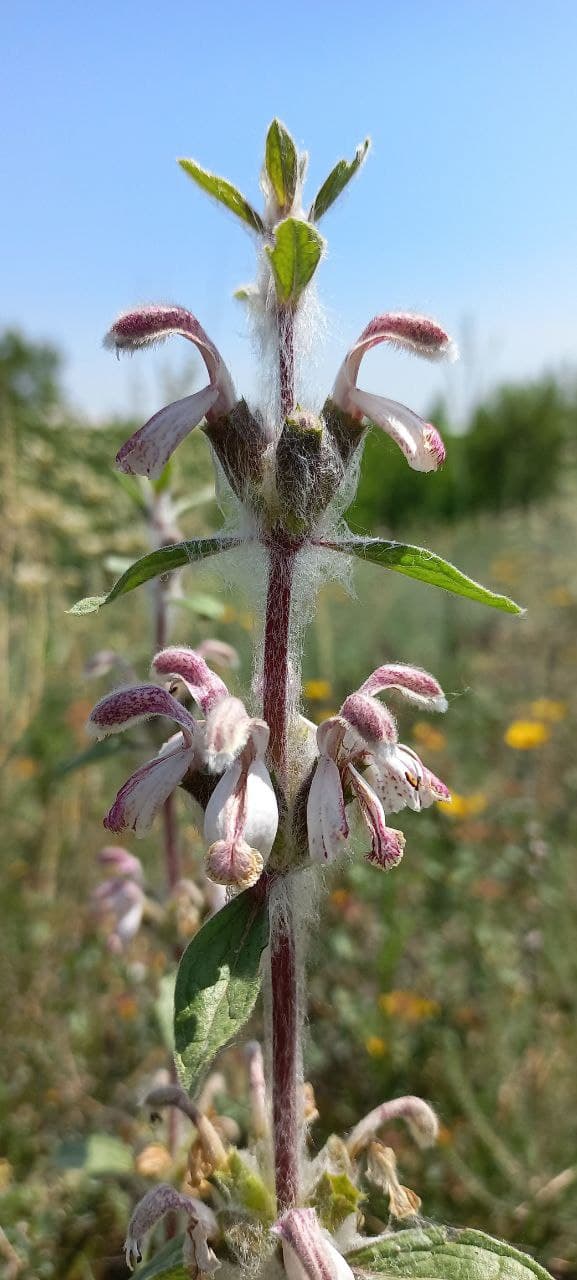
294	259
417	562
281	162
153	566
442	1253
218	983
223	191
336	182
167	1264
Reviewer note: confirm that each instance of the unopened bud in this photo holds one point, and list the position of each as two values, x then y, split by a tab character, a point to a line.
239	442
308	471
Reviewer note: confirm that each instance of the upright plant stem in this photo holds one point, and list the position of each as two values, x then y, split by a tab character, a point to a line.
171	859
286	361
284	1049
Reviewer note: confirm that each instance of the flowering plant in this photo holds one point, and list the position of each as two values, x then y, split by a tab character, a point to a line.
280	797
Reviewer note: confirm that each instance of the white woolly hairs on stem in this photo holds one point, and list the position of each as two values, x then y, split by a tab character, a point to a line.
309	332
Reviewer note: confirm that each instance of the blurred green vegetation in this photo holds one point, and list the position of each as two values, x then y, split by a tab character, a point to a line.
455	977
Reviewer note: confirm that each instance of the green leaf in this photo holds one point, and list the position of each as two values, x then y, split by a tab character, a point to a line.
442	1253
225	193
417	562
98	1154
217	984
164	1009
336	182
294	258
152	566
335	1197
167	1264
241	1185
281	164
94	754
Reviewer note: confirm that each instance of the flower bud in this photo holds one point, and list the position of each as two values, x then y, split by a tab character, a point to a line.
308	471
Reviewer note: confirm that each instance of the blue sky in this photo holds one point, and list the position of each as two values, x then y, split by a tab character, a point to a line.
466	208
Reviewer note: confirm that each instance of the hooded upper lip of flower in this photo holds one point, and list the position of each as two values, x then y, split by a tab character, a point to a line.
242	814
148	450
419	440
364	736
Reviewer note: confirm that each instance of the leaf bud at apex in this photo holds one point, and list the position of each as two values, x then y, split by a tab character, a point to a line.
308	471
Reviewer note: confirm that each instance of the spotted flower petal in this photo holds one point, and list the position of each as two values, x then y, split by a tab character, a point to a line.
387	845
204	686
413	683
419	440
326	816
148	450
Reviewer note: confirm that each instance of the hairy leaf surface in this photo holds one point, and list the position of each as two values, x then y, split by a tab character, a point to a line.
442	1253
152	566
417	562
223	191
218	983
338	179
281	163
295	257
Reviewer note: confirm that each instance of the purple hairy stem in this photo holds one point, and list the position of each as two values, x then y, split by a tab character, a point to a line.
276	646
171	864
285	1061
284	1054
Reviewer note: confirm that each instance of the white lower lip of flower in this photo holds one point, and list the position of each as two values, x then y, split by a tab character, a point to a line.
259	825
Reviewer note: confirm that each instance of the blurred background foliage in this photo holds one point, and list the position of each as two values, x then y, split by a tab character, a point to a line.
454	978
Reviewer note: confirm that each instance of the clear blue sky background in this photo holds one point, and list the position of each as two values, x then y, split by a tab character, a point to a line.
466	208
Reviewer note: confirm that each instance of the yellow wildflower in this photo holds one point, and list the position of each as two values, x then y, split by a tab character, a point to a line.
525	735
548	709
317	690
375	1046
464	806
561	597
408	1006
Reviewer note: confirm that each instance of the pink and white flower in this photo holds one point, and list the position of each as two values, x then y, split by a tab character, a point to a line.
308	1251
144	793
241	818
359	752
118	902
201	1227
148	450
419	440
